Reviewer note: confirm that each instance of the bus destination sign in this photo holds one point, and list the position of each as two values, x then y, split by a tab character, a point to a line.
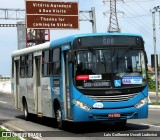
52	15
108	40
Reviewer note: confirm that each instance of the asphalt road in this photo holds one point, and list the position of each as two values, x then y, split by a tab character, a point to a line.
13	119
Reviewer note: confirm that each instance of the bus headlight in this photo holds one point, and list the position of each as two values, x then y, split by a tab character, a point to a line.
141	103
81	105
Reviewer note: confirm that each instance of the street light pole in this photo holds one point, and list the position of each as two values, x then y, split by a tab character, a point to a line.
155	53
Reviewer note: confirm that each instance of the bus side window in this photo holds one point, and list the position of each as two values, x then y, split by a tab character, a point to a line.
29	65
22	66
56	61
45	63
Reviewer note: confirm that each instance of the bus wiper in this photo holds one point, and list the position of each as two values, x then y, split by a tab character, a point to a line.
125	51
92	50
113	55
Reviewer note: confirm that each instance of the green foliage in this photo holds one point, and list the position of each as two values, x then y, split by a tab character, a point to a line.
155	103
151	83
6	138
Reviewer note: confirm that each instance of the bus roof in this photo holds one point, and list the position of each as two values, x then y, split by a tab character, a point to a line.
63	41
31	49
70	39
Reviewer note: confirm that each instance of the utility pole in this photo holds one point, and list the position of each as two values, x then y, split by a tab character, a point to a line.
113	20
154	10
37	36
90	16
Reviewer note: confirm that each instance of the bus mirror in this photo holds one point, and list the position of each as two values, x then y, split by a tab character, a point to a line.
146	57
71	56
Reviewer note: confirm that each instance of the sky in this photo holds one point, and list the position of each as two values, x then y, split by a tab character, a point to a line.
134	16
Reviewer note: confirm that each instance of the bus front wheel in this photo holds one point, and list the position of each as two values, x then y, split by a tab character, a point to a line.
60	122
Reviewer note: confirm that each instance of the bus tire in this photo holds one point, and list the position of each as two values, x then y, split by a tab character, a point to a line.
121	124
25	111
59	121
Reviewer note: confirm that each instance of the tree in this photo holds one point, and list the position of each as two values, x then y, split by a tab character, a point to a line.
151	82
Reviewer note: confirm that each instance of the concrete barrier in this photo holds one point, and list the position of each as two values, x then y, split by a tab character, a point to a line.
5	86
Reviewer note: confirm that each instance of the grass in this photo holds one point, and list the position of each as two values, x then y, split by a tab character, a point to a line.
153	90
6	138
154	103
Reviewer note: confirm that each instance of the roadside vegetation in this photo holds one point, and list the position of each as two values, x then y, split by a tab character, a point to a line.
154	103
6	138
152	88
151	82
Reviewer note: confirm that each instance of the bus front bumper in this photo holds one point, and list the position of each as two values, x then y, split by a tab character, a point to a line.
110	114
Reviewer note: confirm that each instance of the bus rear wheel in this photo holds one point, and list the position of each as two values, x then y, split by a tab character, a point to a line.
60	122
25	111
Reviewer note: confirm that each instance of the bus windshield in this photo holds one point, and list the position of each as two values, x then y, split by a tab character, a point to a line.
110	68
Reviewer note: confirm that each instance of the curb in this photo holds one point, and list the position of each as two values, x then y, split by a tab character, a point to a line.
154	106
12	128
153	93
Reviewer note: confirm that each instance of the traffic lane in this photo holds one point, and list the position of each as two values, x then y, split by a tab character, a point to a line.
4	97
76	130
8	109
48	124
96	131
9	116
72	129
152	120
91	129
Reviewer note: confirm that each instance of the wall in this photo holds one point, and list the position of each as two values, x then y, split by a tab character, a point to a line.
5	86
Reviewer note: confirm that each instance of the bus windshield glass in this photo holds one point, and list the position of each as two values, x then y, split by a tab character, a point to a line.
110	68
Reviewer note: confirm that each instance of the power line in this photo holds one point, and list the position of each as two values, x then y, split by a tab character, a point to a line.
113	20
140	1
138	16
135	24
143	20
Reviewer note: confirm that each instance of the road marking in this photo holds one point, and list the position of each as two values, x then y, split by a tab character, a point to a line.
150	125
3	102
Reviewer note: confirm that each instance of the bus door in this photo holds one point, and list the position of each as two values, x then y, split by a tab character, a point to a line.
67	86
37	84
17	86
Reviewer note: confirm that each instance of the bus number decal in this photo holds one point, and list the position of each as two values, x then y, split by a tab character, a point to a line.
108	41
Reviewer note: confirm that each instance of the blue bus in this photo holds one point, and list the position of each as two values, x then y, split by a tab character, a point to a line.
83	78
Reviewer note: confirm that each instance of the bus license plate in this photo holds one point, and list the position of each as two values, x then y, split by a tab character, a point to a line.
116	115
